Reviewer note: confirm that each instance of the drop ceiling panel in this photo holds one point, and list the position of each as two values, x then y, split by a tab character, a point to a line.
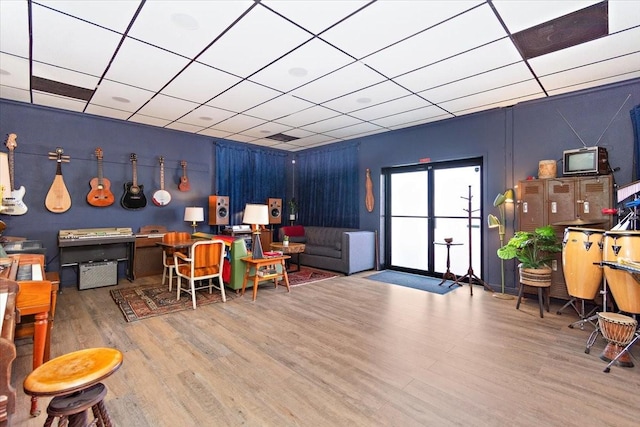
114	15
62	102
184	127
311	115
243	96
14	28
373	95
166	107
279	107
215	133
187	26
590	84
325	13
485	58
206	116
200	83
239	123
350	131
144	66
410	116
151	121
623	14
348	79
307	63
592	73
469	30
15	94
495	98
266	129
371	23
407	103
587	53
107	112
482	82
14	71
331	124
523	14
64	75
71	43
113	95
258	39
403	125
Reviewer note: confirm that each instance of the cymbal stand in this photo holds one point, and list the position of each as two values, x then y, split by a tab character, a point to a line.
470	276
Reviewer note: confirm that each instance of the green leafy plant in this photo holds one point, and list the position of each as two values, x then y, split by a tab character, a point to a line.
293	206
285	238
533	249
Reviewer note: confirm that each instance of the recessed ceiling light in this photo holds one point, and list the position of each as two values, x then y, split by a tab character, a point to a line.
265	131
208	119
298	72
363	100
120	99
185	21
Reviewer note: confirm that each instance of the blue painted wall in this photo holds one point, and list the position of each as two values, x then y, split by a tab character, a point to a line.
510	140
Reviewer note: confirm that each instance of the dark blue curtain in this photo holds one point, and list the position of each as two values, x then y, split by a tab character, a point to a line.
327	187
248	174
635	120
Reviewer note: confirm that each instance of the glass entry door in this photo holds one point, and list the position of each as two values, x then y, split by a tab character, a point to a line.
426	204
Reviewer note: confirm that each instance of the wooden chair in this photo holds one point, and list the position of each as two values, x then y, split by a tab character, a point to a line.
168	261
205	261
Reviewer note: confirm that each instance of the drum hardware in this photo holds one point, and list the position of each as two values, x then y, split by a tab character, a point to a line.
578	222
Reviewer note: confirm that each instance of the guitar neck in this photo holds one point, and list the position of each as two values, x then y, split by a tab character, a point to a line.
162	176
11	164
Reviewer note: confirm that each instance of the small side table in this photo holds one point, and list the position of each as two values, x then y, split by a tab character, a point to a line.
448	274
264	262
292	248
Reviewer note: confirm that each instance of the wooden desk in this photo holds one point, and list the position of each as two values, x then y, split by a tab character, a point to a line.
179	245
264	262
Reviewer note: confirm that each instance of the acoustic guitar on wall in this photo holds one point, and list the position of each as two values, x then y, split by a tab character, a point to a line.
100	194
58	199
133	197
161	197
13	205
184	181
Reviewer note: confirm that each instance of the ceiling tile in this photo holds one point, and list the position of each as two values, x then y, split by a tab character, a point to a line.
593	83
113	95
184	127
371	23
623	14
310	61
43	98
331	124
15	94
70	43
279	107
14	28
350	131
403	125
107	112
523	14
187	26
243	96
215	133
409	116
112	14
485	58
64	75
266	129
259	38
147	67
373	95
346	80
199	83
471	29
407	103
166	107
152	121
239	123
14	71
499	97
206	116
325	13
310	115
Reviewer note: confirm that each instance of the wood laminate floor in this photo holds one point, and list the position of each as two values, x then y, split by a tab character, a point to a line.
345	352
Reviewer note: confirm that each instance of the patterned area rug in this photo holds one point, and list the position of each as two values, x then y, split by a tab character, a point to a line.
155	300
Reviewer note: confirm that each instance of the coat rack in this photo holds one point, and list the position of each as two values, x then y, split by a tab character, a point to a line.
470	276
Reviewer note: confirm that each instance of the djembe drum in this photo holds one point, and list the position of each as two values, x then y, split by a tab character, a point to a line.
618	330
581	252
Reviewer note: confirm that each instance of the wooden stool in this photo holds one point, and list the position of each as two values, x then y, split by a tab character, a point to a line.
74	381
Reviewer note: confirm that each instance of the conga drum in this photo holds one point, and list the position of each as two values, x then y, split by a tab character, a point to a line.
624	288
618	330
581	248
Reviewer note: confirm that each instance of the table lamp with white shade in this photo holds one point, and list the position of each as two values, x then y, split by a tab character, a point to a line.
256	215
194	215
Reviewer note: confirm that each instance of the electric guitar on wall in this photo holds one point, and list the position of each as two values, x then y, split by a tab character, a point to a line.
184	181
58	198
100	194
13	205
162	196
133	197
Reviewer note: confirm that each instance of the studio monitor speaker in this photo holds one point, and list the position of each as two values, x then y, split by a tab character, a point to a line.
275	211
218	210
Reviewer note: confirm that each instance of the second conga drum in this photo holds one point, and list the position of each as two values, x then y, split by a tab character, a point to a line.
581	248
624	288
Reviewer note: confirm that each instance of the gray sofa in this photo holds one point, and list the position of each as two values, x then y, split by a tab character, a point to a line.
338	249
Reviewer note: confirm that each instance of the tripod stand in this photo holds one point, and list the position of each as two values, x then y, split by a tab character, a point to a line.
470	276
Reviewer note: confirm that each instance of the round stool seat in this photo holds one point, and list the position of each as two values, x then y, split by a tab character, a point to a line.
79	401
72	371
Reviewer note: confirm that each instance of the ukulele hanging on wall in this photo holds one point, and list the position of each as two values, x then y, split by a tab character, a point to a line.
161	197
133	197
100	194
13	205
184	181
58	199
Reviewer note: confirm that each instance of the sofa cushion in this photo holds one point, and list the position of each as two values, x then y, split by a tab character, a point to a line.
327	251
298	239
293	230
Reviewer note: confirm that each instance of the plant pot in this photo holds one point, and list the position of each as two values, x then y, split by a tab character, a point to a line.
292	217
538	277
285	243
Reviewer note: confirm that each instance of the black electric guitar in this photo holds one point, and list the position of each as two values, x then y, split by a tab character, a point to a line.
133	197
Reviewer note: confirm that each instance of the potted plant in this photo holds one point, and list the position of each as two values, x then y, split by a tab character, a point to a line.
293	209
285	240
535	250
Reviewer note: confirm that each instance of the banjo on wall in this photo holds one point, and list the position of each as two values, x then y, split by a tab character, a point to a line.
161	197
